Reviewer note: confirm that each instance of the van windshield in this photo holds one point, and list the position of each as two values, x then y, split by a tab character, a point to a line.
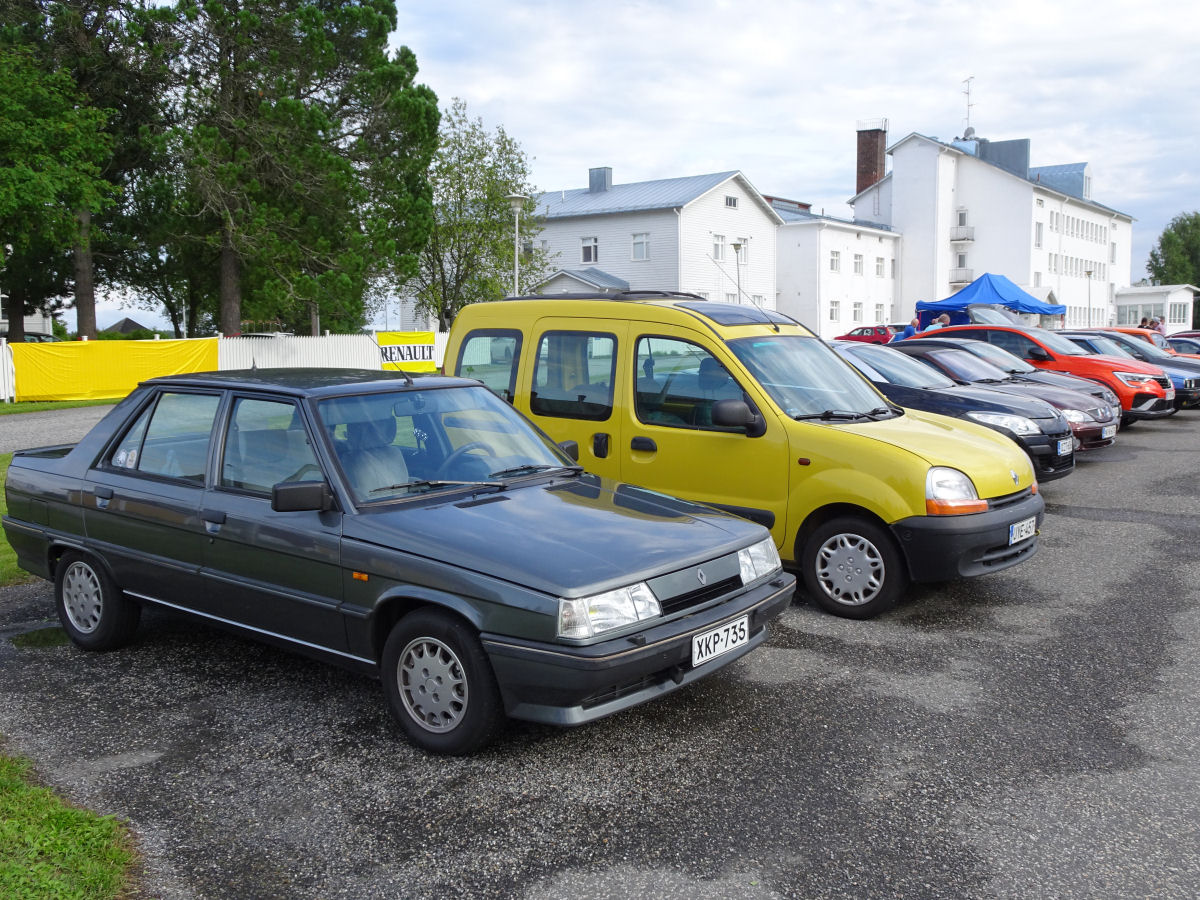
806	379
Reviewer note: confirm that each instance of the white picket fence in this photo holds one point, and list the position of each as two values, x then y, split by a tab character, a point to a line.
351	351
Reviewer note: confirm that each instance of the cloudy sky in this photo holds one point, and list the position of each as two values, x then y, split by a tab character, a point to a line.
775	88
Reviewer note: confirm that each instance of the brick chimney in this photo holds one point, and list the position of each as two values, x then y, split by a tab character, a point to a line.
872	149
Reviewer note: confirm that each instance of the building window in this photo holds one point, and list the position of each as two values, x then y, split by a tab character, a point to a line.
835	309
879	313
758	299
590	250
879	267
730	202
1178	313
858	263
1087	186
962	217
962	260
731	298
1037	234
1040	202
718	247
856	311
835	261
641	245
703	295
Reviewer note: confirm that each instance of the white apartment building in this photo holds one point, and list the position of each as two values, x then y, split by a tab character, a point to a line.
712	235
834	274
974	206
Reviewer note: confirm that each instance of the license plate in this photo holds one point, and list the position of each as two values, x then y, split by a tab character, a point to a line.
1019	531
1064	446
1107	431
720	640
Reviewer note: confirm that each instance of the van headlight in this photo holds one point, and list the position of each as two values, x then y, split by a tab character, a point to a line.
949	492
1015	424
759	560
586	617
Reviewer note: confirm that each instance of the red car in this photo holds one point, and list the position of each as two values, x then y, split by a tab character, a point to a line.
1145	391
871	334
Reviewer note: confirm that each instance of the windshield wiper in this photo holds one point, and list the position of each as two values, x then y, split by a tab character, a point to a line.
530	468
435	483
844	414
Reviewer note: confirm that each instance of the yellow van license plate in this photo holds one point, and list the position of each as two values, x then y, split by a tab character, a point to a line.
1018	531
711	644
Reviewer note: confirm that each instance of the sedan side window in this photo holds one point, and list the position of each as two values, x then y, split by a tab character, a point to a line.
266	444
1012	342
170	438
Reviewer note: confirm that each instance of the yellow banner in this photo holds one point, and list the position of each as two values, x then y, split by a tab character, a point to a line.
411	351
100	370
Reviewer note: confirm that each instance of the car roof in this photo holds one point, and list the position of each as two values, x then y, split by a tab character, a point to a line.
312	382
718	313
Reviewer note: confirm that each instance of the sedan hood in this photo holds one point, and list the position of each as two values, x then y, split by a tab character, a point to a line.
1063	398
565	538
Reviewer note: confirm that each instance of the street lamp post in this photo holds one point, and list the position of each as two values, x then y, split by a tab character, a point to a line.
516	201
737	256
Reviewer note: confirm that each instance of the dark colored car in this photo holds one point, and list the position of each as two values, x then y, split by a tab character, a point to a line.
1036	426
870	334
417	529
1145	391
1092	409
34	337
966	368
1183	372
1185	344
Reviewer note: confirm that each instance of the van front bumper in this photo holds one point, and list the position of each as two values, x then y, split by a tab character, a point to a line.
939	548
561	684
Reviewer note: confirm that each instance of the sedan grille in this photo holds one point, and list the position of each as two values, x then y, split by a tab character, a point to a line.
1163	381
700	595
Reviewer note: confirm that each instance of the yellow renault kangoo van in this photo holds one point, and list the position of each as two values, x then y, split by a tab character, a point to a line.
746	410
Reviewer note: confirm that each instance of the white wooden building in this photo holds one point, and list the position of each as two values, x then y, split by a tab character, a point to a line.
973	206
1172	303
712	235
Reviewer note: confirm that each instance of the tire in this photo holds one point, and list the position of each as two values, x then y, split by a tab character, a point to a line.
439	684
94	612
851	568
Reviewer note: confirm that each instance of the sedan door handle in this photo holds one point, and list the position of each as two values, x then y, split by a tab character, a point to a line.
103	495
643	443
213	520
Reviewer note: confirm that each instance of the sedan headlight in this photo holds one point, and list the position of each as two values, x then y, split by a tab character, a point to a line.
1015	424
759	560
1134	379
586	617
949	492
1077	415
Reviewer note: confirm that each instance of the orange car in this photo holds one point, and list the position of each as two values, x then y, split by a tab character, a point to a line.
1149	334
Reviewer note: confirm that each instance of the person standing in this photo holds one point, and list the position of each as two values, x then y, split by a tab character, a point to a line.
909	330
940	322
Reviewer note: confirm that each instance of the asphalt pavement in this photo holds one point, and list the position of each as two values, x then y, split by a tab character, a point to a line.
1029	733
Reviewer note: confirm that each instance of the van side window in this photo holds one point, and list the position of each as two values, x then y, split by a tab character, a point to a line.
573	375
678	382
491	355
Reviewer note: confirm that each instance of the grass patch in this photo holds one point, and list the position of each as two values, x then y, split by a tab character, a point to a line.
53	636
9	573
8	409
51	849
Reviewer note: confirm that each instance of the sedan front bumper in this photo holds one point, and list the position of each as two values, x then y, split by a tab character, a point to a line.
568	685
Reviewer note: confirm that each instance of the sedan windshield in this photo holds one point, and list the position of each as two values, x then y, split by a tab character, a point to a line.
806	379
965	367
1144	348
1058	343
1000	358
1107	346
895	367
397	443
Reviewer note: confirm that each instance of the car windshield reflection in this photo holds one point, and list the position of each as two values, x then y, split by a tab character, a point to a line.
397	444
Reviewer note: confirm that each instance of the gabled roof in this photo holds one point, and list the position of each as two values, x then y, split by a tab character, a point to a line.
593	278
792	216
641	196
1062	178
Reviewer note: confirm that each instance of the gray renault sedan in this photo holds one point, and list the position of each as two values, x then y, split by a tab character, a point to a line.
419	529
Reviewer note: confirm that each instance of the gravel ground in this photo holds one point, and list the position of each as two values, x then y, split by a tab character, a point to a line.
54	426
1027	734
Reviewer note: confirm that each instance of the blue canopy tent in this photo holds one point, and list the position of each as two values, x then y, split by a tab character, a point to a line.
986	290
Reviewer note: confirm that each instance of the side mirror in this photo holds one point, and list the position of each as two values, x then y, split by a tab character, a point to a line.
297	496
571	448
733	414
1039	354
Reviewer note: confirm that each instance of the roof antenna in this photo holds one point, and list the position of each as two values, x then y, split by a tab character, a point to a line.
967	82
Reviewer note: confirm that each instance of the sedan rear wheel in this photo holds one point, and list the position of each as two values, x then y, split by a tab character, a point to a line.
439	683
94	612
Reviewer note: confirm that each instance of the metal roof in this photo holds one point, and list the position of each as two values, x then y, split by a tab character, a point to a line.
593	277
665	193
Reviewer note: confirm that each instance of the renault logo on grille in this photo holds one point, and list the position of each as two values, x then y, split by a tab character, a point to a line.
701	577
1015	477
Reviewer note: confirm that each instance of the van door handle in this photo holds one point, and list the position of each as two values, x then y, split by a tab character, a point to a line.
643	443
600	445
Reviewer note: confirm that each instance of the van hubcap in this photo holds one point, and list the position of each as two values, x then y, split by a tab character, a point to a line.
432	684
850	569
